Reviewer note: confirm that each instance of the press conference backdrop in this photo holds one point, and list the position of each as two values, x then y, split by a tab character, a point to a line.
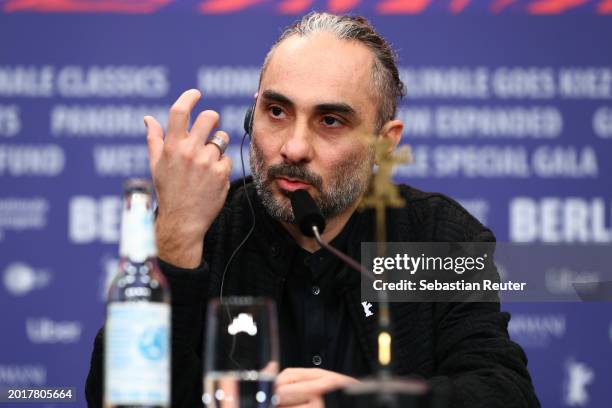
509	110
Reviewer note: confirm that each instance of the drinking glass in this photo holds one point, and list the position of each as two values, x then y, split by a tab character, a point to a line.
241	353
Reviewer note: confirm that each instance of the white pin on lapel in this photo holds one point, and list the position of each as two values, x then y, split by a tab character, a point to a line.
366	309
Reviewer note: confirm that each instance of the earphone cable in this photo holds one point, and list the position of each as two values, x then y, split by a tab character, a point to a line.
248	235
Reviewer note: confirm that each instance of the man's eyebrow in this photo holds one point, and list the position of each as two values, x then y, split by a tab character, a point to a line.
276	97
339	107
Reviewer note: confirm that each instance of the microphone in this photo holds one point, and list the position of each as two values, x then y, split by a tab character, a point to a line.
312	224
306	213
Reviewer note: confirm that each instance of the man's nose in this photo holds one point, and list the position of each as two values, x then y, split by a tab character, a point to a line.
298	145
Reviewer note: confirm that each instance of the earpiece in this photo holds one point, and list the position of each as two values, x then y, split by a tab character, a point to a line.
248	118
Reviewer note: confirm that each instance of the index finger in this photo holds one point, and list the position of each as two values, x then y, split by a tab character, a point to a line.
304	391
292	375
178	119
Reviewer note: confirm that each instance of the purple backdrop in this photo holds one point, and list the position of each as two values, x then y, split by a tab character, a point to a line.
508	112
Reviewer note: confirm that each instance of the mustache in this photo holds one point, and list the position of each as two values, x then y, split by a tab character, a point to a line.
295	172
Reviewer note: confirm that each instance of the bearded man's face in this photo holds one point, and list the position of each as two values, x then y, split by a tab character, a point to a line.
314	111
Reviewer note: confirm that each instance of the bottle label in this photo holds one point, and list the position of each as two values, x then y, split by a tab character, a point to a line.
137	365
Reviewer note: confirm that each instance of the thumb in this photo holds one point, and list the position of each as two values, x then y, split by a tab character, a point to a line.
155	140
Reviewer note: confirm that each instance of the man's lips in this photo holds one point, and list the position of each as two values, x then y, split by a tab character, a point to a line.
291	185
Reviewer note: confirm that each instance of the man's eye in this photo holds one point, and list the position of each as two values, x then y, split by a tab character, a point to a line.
331	121
276	112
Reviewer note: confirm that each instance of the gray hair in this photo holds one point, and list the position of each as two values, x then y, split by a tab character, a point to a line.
387	84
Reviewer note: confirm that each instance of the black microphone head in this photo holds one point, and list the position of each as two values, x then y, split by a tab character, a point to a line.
306	212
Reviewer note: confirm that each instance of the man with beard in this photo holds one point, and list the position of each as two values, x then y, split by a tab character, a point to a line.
326	84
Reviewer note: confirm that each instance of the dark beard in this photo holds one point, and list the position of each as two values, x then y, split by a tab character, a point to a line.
350	180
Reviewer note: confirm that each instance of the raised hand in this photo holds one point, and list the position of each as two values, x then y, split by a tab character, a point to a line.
191	179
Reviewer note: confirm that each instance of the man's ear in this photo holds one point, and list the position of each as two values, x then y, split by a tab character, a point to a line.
392	131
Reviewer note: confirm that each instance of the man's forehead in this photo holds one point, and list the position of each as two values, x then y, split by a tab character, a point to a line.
322	64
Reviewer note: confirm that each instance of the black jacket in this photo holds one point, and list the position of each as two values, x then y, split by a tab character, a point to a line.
464	346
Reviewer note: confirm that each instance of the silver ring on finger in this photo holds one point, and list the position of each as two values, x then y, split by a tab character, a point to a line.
219	142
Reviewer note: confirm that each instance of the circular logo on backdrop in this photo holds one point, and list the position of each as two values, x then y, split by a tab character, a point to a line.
153	343
20	278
